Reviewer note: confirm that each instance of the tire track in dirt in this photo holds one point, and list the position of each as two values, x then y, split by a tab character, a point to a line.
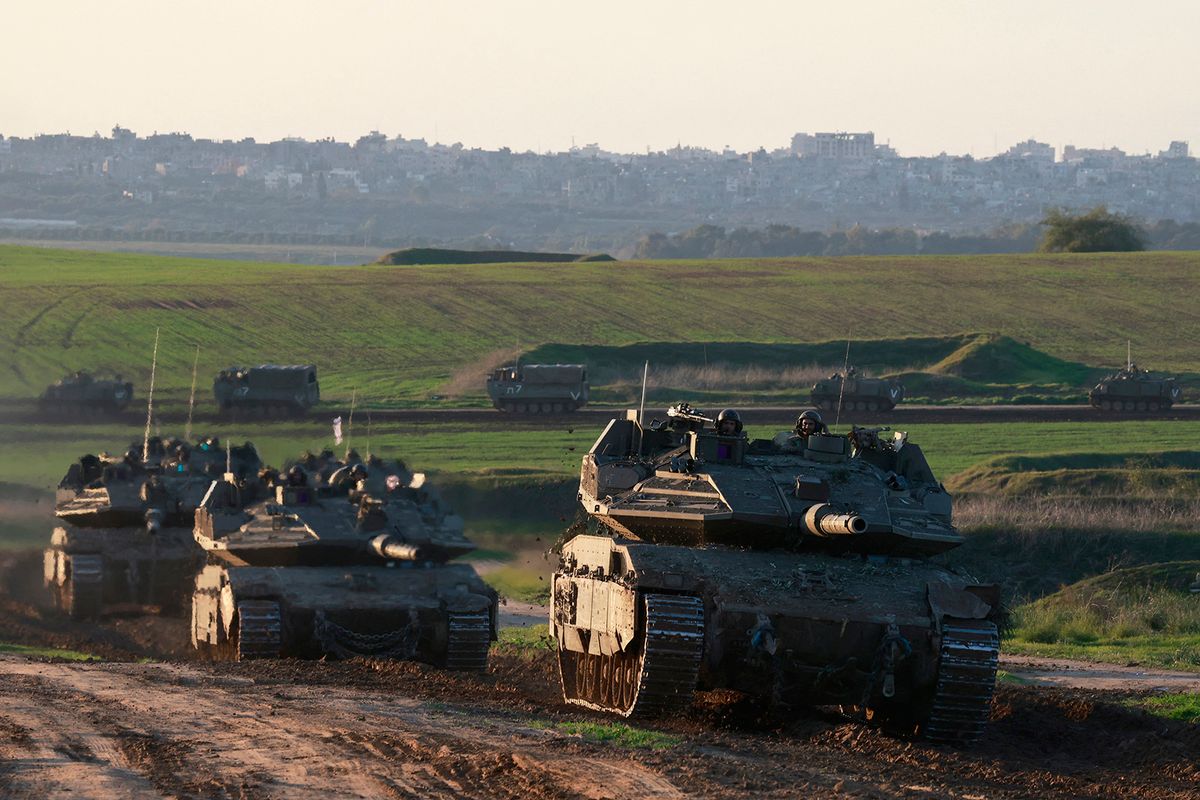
23	331
184	733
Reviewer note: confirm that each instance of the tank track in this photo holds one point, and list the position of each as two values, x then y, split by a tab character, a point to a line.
468	638
84	592
962	699
655	678
260	630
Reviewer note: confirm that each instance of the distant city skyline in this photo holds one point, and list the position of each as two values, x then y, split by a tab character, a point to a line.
926	77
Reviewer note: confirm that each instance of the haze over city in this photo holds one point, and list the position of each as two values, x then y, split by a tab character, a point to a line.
928	76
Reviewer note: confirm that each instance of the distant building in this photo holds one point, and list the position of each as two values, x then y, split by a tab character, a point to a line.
1112	156
1175	150
1032	151
834	145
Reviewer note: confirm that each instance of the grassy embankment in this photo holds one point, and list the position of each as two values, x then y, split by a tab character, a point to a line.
399	335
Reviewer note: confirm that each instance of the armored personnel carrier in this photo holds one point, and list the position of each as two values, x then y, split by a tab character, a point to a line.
267	390
81	393
1133	389
354	565
126	533
859	394
793	569
539	388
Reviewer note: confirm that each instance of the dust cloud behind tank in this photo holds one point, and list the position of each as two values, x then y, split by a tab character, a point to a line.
539	388
1134	389
859	393
793	569
83	394
342	559
267	390
126	523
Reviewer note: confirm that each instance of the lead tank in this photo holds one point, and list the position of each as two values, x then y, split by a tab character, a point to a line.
126	532
81	393
355	564
1134	389
859	393
794	569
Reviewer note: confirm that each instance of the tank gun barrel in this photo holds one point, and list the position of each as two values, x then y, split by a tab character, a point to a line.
387	546
822	520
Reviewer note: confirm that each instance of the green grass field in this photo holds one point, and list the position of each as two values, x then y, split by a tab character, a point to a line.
399	334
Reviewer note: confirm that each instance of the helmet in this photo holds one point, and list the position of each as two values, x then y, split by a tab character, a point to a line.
812	416
730	415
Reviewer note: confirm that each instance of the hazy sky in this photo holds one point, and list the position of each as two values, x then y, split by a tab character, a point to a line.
926	76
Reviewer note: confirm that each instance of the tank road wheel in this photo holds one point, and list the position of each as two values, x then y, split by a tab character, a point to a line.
257	631
1141	405
467	641
83	592
962	698
655	674
1153	406
872	406
1106	405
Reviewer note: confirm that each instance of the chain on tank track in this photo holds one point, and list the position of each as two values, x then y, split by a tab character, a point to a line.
653	676
468	638
84	593
260	630
962	699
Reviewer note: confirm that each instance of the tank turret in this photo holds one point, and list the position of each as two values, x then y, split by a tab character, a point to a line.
793	568
356	564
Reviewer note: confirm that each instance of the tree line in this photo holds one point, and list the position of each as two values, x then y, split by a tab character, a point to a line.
1098	230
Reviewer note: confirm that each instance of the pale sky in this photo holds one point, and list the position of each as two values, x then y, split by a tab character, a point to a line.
534	74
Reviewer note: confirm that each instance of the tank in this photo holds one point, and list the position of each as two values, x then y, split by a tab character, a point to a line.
860	393
539	388
81	393
1134	389
267	390
126	524
795	569
356	564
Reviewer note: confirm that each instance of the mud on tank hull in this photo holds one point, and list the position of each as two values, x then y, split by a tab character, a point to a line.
640	626
440	614
88	570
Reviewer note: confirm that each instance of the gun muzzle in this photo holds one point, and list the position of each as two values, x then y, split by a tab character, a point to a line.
388	547
822	520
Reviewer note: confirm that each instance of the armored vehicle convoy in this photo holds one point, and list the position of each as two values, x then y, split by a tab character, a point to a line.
1133	389
358	564
126	533
792	569
859	393
268	389
539	388
81	393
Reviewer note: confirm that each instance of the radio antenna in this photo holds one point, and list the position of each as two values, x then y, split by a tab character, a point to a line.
642	407
150	400
1128	355
187	431
845	375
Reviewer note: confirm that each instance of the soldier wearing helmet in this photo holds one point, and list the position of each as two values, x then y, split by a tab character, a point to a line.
729	423
807	424
810	422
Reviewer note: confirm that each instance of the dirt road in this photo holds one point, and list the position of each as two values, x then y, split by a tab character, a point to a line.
363	729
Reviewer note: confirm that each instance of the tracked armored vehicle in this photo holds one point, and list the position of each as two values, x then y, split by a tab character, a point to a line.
358	564
858	394
81	393
267	390
126	533
1133	389
794	569
539	388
